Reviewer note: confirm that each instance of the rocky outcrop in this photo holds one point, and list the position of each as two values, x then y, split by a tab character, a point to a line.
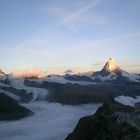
10	109
4	77
112	121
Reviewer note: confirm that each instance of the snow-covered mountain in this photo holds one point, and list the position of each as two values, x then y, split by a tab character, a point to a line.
75	88
112	72
88	73
2	73
111	67
3	76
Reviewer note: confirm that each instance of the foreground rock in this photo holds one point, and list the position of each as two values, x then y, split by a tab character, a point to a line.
112	121
10	109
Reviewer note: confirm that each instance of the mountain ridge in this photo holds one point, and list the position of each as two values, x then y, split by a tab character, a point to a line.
111	66
110	72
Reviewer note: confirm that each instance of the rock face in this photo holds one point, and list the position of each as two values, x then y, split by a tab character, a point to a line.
112	121
111	66
3	76
1	72
10	109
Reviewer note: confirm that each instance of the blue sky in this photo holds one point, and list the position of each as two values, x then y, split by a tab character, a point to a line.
55	35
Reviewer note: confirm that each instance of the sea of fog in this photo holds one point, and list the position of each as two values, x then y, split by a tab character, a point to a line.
51	121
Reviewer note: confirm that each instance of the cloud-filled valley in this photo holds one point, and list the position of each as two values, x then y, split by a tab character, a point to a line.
51	121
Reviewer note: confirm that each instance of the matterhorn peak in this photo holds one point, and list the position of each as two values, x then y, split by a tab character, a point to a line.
1	72
111	66
3	76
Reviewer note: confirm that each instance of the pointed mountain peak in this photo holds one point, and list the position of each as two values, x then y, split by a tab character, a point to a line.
111	66
1	72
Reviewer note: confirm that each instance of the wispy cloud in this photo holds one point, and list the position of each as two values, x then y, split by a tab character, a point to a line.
54	53
72	18
47	45
75	17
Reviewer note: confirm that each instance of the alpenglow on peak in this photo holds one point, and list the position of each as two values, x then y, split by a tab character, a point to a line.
1	72
111	66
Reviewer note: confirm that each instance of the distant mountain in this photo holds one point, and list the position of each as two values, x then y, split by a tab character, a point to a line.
96	87
69	71
111	72
89	73
78	88
111	67
2	73
3	77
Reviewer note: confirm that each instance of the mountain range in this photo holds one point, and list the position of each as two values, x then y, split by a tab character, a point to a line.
75	88
110	72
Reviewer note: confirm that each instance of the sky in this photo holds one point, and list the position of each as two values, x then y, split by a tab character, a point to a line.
57	35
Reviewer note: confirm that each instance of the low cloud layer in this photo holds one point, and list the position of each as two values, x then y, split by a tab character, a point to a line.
52	121
128	100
